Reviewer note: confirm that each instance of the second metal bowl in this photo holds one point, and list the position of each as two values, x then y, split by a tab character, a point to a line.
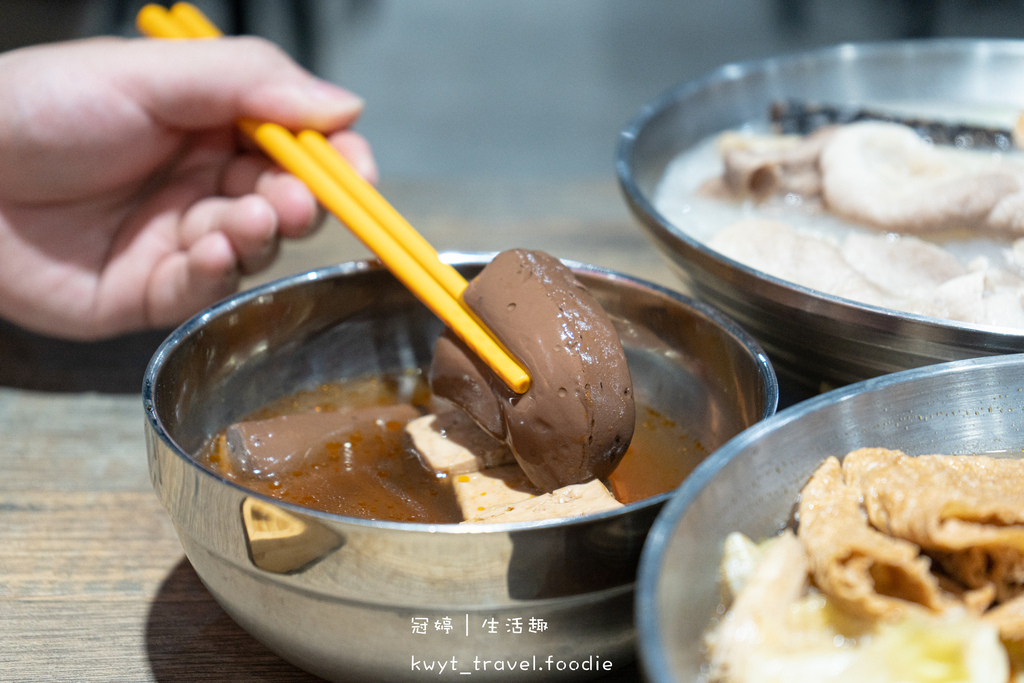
811	337
752	484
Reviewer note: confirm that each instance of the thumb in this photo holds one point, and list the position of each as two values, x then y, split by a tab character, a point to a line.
196	84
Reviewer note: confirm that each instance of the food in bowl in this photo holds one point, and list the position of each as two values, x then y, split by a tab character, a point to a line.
466	448
342	596
868	211
396	452
575	421
900	569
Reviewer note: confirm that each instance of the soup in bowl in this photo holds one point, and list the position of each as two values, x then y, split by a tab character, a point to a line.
362	598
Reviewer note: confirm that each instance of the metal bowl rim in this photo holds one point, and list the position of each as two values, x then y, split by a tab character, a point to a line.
870	315
650	649
765	373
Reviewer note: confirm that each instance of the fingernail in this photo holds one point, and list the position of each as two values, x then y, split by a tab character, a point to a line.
325	91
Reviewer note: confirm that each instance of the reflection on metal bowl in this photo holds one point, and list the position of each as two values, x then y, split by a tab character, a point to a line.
814	338
355	599
751	484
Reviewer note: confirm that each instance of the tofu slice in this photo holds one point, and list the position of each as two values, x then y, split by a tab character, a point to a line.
488	483
451	443
569	501
495	487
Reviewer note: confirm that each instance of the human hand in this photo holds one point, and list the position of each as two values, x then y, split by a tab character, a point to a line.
127	199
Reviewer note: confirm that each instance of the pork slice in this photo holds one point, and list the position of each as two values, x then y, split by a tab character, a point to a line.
780	250
989	296
762	166
885	175
901	265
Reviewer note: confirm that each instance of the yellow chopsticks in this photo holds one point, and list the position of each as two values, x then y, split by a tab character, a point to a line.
342	191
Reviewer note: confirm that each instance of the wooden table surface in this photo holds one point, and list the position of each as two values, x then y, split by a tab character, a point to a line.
94	585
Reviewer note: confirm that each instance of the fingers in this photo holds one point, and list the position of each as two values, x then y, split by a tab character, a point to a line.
356	149
209	83
222	239
187	281
290	200
219	239
296	208
248	225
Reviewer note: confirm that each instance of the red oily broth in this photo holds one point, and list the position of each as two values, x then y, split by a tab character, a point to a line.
379	476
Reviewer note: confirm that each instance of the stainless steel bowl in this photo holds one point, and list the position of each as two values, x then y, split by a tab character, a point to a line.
344	597
751	484
814	338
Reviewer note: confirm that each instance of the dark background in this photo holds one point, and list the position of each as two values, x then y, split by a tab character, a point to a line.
524	88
